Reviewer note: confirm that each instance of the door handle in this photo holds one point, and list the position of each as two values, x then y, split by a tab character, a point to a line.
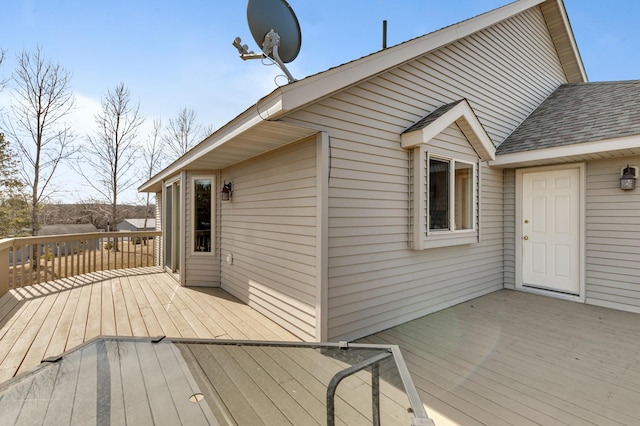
525	237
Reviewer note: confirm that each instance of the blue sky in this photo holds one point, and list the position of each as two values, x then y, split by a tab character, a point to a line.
175	54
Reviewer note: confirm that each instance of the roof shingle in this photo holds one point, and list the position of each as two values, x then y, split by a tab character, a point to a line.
431	117
578	113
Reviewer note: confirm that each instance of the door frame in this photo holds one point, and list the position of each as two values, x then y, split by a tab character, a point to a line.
581	297
178	228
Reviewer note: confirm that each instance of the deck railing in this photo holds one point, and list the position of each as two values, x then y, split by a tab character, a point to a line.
33	260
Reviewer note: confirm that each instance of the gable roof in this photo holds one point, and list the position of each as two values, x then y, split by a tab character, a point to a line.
243	137
578	118
433	117
139	223
458	112
63	229
333	80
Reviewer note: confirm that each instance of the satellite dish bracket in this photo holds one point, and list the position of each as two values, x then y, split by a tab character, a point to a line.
270	45
269	48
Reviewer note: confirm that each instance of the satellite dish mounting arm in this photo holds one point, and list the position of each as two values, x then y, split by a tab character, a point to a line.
269	50
270	45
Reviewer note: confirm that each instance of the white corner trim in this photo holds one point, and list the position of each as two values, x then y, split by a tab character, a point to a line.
322	237
419	200
465	118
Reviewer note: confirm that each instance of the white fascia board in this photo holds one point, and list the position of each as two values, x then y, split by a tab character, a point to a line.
321	85
269	107
477	136
464	117
572	40
586	148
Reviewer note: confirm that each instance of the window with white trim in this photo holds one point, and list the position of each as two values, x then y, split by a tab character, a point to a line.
202	216
445	200
450	203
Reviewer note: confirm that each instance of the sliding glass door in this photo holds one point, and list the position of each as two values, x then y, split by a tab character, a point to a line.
172	227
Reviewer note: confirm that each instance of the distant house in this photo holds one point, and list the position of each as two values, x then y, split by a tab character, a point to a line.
63	229
464	161
136	225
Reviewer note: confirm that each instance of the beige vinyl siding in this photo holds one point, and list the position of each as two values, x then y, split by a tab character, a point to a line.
269	227
451	142
612	237
503	73
201	269
375	281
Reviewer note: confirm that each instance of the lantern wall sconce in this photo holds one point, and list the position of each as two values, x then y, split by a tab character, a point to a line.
628	177
227	190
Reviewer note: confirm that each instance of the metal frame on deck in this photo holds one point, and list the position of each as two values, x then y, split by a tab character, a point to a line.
418	411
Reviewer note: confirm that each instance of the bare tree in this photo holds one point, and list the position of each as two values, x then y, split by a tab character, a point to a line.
41	100
182	132
109	159
3	81
208	130
154	156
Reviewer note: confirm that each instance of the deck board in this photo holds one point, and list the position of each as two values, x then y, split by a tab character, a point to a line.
270	385
160	400
78	326
524	358
134	315
59	408
84	393
48	319
45	332
151	323
504	358
223	377
60	334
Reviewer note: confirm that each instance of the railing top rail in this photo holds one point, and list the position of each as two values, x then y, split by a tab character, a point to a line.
6	243
10	242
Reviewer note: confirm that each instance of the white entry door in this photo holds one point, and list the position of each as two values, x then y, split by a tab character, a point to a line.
551	230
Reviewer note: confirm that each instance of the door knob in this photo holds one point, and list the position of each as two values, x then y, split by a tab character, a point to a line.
526	238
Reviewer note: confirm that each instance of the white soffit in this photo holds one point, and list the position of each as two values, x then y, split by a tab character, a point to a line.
212	154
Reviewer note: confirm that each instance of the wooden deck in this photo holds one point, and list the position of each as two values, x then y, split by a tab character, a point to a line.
508	358
48	319
512	358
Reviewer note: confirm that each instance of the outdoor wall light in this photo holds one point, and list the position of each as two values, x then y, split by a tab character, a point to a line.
226	191
628	178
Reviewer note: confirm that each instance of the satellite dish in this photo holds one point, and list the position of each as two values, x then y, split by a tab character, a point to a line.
275	28
264	16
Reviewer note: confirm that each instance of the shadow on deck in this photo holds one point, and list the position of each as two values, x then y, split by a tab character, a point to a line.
47	319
